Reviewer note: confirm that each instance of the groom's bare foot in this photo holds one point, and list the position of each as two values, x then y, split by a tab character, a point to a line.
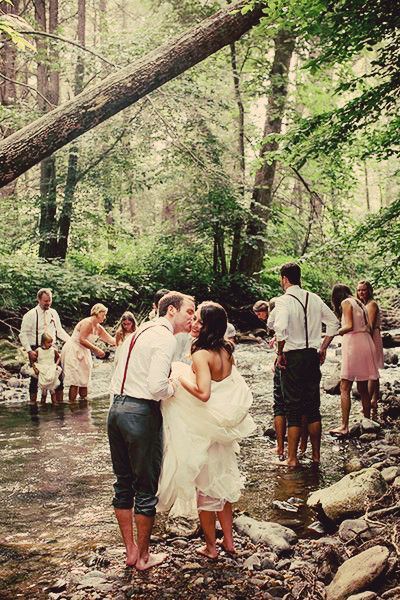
131	557
211	553
152	560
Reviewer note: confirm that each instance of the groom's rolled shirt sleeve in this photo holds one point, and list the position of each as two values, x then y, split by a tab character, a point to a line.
158	381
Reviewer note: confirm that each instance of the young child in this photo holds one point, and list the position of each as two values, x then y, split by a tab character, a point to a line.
47	368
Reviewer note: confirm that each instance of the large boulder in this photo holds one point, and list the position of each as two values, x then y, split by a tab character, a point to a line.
277	537
357	573
350	495
11	356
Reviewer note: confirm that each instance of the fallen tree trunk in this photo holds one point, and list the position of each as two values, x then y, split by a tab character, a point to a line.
27	147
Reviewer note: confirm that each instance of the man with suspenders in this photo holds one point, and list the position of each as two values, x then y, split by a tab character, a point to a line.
41	319
140	382
298	327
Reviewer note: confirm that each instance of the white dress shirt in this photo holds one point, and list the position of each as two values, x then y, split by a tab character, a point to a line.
289	319
149	364
46	320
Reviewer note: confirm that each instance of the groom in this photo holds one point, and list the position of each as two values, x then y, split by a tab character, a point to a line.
134	423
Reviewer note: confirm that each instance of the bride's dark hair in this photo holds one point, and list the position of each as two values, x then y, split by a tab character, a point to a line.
212	334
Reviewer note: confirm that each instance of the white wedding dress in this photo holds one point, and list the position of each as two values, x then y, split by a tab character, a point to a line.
199	469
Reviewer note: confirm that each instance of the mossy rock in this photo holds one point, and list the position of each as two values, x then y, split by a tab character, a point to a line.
12	357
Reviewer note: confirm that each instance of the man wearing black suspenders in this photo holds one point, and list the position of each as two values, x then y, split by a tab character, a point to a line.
134	426
298	328
41	319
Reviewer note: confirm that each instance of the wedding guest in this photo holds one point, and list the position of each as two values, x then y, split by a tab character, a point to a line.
208	414
365	293
358	353
76	357
153	314
278	405
126	326
298	326
41	319
47	368
260	309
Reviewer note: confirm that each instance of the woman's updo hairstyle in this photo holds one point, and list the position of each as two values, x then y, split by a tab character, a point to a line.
212	334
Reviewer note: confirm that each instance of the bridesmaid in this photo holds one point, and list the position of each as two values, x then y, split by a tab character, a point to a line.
76	358
126	326
365	293
358	353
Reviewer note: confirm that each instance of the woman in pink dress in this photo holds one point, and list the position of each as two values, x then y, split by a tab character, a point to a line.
365	293
76	357
358	353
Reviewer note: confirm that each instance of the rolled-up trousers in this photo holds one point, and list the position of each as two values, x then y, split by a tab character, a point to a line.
134	430
300	382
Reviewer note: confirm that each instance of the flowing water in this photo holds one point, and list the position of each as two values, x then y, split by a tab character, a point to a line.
56	479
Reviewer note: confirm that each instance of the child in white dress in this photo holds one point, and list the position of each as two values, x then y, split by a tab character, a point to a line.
47	368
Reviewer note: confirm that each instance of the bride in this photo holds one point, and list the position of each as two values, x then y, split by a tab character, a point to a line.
202	424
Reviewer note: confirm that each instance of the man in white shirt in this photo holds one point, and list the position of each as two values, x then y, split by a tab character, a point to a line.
141	381
298	325
41	319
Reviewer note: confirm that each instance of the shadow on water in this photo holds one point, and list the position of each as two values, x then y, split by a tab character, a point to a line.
57	481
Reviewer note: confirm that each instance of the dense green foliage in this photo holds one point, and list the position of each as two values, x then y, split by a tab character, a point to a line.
161	189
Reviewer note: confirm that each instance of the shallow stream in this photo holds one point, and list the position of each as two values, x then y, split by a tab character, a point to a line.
56	478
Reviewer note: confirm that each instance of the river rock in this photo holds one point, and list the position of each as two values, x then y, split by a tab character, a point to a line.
277	537
392	594
390	450
252	561
363	596
396	483
94	579
11	356
355	430
357	529
369	426
389	474
331	383
353	464
357	573
368	437
350	495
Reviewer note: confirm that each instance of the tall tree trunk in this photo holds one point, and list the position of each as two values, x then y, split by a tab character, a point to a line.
20	151
237	231
8	89
64	222
367	198
46	87
253	251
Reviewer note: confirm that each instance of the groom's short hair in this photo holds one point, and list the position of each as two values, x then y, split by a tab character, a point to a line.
175	299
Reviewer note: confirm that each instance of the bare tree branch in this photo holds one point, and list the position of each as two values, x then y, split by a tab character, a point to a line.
67	41
29	87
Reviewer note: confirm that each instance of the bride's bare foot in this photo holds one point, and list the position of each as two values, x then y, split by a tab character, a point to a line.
208	552
229	548
152	561
131	557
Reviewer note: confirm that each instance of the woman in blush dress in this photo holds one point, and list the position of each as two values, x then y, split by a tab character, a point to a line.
358	353
76	357
365	294
202	425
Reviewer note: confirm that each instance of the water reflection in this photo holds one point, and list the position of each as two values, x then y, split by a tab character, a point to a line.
57	480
